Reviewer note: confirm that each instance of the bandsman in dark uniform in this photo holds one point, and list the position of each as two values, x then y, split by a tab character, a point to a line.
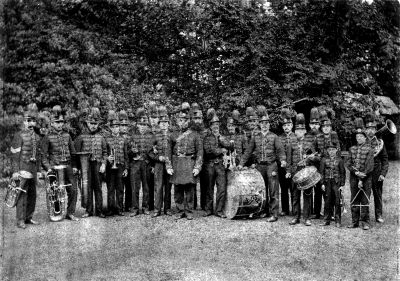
302	154
117	166
153	121
94	143
161	156
287	138
187	162
267	149
250	129
58	149
25	150
361	165
333	179
234	136
215	147
124	125
381	164
139	146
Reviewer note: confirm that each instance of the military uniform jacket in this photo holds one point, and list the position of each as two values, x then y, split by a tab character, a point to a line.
188	143
95	144
298	151
361	158
267	149
162	147
333	169
119	144
324	140
57	148
287	140
213	147
26	146
381	161
143	143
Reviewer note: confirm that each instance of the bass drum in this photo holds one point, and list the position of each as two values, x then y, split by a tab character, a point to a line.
245	195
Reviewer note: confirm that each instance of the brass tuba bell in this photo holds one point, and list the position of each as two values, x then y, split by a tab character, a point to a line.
389	127
56	195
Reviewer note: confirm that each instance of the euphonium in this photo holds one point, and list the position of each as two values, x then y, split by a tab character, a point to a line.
56	195
15	188
84	163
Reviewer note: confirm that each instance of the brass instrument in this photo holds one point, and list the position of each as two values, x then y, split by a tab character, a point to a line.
389	127
15	188
56	195
84	163
114	166
342	203
33	158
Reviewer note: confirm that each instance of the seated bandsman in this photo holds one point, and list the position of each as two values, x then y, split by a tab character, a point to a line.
161	156
267	149
25	150
139	146
58	149
215	147
234	136
333	179
117	166
381	164
91	141
187	161
301	153
361	165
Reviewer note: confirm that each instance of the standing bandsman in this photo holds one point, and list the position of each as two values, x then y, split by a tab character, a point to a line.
301	155
94	143
333	180
123	131
139	146
381	164
25	150
153	121
249	131
187	161
287	138
361	165
234	136
267	148
58	149
215	147
161	156
117	166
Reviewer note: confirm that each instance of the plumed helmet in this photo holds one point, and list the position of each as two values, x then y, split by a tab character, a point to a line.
31	111
184	110
370	120
153	110
212	116
57	114
300	121
94	115
314	116
195	111
262	114
123	117
359	126
251	114
163	114
325	121
234	118
112	118
286	116
141	116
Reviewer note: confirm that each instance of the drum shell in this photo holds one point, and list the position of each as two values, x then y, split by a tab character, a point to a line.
306	178
245	193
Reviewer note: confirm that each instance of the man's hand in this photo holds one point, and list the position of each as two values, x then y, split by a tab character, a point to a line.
273	174
323	187
49	171
125	173
288	175
196	172
341	188
381	178
161	158
224	150
110	158
239	167
362	175
253	166
15	176
74	171
102	168
170	172
283	164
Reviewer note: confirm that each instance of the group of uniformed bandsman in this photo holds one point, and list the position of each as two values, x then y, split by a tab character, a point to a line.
145	153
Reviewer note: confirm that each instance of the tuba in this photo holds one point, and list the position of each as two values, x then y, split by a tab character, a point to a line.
56	195
15	188
389	127
84	163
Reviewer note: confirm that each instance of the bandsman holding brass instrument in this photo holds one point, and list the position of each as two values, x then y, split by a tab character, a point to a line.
381	163
25	150
161	156
235	137
58	149
153	116
93	142
216	147
361	165
267	149
116	168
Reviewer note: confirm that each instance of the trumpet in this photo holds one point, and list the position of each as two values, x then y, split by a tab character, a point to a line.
114	166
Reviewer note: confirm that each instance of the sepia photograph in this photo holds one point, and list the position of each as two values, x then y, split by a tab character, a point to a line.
199	140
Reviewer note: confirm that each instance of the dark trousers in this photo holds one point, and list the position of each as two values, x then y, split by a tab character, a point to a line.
128	191
286	187
72	190
377	191
115	195
360	197
332	201
215	173
138	171
272	187
318	195
307	203
27	200
94	186
150	185
162	188
203	189
184	197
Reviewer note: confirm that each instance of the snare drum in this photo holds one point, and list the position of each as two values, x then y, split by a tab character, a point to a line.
306	178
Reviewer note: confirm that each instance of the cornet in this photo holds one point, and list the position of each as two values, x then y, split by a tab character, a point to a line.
114	166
